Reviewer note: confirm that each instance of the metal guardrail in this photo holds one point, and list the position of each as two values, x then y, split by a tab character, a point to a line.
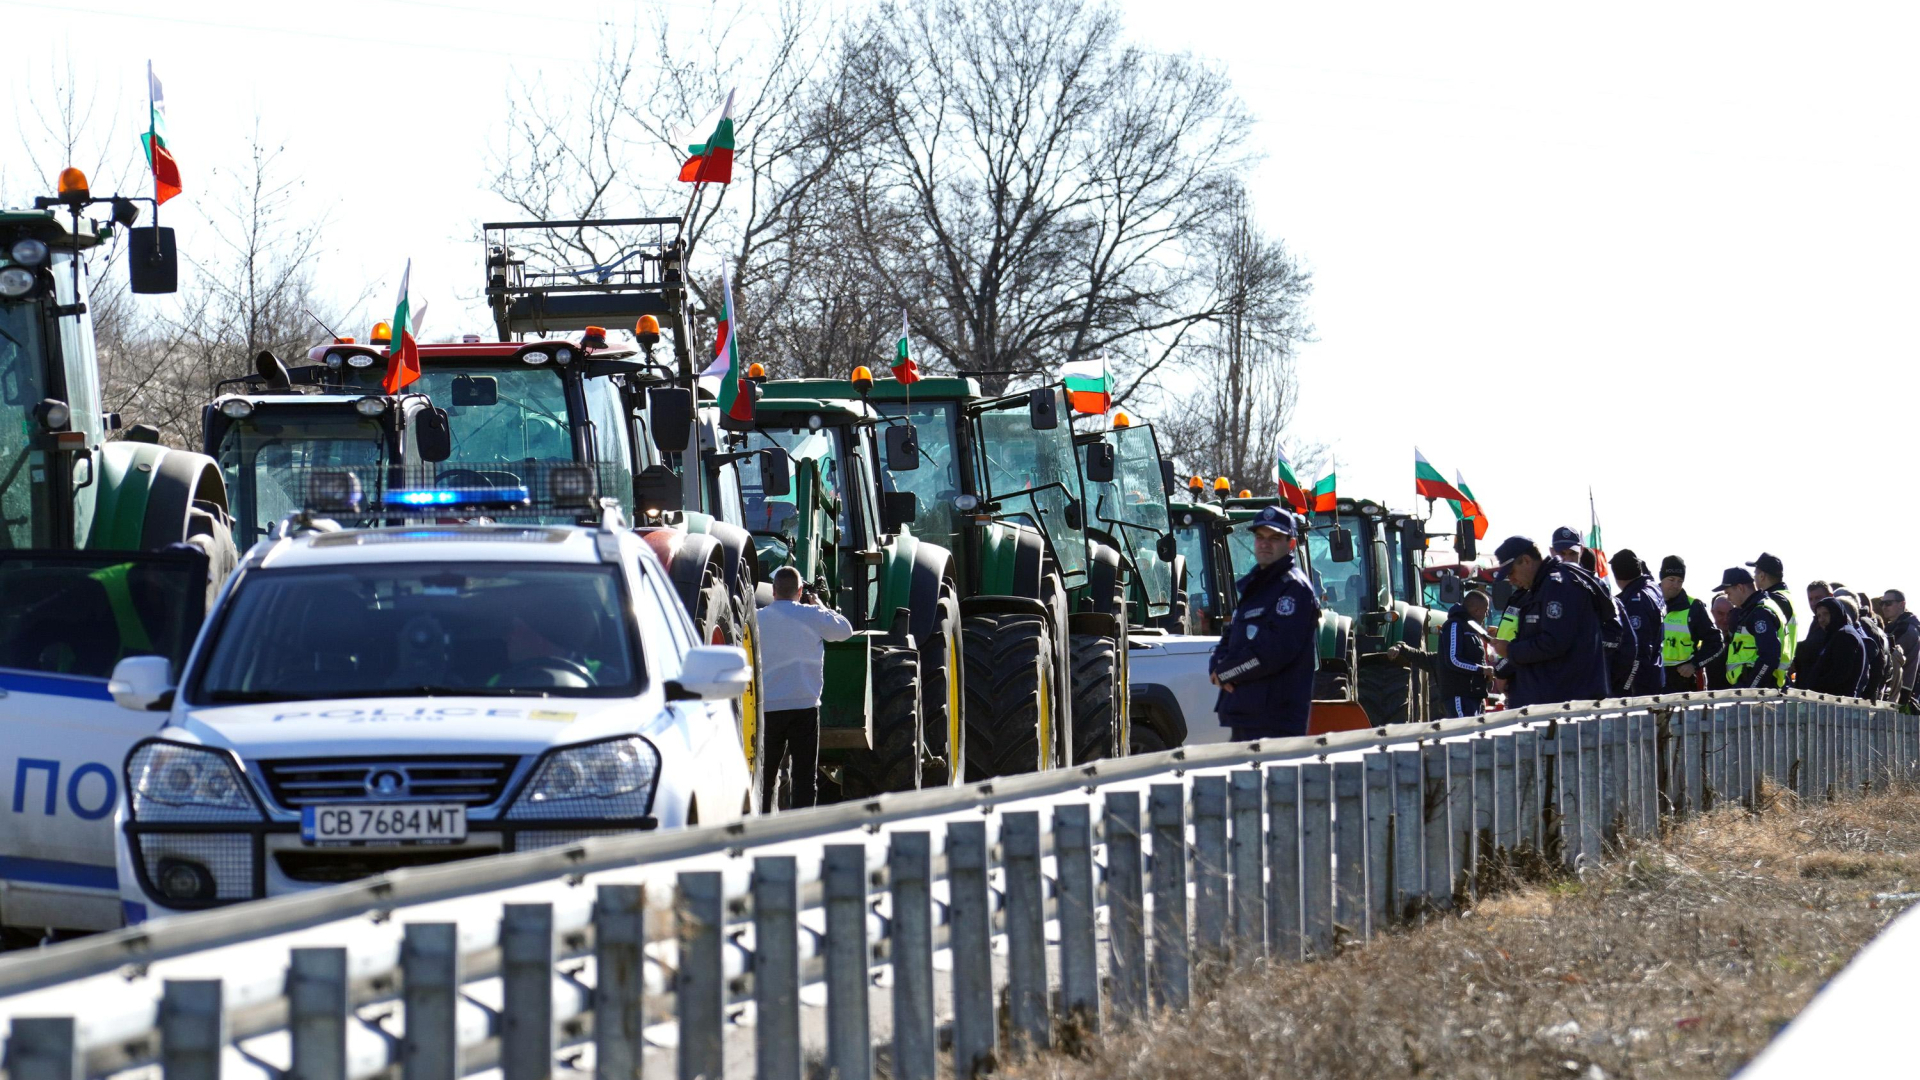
910	921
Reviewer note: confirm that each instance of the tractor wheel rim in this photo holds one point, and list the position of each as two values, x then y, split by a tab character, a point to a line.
955	725
750	712
1045	732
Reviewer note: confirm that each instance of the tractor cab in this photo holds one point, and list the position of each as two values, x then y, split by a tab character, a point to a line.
1202	533
1126	487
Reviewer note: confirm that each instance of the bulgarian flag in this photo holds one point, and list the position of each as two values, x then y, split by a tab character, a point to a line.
1323	494
1290	489
1427	481
1594	542
712	160
736	393
166	171
1086	382
1467	508
403	353
904	369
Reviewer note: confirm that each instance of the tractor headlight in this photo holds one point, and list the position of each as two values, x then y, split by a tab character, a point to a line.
15	281
359	360
535	357
370	406
29	252
236	408
334	360
173	782
965	503
563	356
610	779
814	422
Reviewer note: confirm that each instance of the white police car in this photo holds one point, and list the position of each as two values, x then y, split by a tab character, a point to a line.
361	700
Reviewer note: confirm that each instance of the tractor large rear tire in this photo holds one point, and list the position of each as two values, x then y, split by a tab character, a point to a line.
1096	713
894	762
943	696
1385	693
1009	694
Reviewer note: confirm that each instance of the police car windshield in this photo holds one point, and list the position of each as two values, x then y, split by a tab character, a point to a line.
267	457
416	629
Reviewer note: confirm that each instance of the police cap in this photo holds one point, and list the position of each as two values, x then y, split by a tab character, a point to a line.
1564	538
1673	566
1768	564
1510	549
1274	517
1735	575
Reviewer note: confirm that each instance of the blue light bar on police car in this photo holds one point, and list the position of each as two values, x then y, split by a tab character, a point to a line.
499	496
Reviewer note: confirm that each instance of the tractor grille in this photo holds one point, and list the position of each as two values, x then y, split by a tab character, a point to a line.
472	779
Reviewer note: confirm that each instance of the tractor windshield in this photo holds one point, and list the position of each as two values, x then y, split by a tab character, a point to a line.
1133	508
505	416
1034	475
937	482
267	456
1192	535
23	384
1342	586
815	453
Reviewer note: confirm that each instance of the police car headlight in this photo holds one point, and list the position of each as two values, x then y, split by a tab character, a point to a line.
610	779
171	782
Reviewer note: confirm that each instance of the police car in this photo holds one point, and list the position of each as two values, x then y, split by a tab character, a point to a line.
362	700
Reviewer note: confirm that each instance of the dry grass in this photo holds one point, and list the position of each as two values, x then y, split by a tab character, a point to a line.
1677	959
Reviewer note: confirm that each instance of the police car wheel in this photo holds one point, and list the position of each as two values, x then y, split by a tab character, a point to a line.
1095	679
1008	661
894	762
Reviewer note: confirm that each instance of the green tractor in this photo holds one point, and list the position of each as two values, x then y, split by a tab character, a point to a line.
1202	530
999	484
63	486
892	714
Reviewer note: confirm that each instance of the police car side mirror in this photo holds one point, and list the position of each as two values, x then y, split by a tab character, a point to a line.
433	434
142	683
1340	545
711	673
1463	541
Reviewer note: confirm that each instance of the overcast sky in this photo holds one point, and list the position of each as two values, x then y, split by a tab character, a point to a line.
1665	250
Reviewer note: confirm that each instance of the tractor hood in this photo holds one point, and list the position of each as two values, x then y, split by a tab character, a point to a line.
415	725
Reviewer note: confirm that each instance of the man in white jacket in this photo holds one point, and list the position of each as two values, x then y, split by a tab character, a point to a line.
793	637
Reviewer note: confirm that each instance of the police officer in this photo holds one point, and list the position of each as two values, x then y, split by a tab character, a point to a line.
1755	656
1691	640
1264	662
1616	631
1646	611
1768	577
1557	654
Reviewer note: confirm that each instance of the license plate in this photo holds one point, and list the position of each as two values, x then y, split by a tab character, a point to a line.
414	823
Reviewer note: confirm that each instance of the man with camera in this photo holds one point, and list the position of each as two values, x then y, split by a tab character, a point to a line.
794	630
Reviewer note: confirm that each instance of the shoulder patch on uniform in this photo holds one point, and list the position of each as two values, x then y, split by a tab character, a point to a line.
1554	609
1760	625
1636	622
1284	607
1253	612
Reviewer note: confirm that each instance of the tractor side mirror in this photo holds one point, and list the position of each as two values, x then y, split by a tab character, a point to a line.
657	487
776	477
1167	548
1169	480
898	509
903	448
1464	543
153	262
1340	545
1451	589
1100	462
670	417
475	391
1075	519
433	435
1043	409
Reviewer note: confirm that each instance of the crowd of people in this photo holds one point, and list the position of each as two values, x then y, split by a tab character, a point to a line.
1564	635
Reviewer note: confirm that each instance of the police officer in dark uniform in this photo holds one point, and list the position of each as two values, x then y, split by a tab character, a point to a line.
1691	640
1646	617
1265	660
1558	653
1755	657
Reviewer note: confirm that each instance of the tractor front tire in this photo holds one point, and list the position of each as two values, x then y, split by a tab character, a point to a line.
894	762
1009	694
1096	715
1385	692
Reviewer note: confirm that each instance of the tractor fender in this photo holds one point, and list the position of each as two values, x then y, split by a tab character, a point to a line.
1103	578
149	494
1102	623
1012	560
688	557
911	578
1158	707
1005	605
734	540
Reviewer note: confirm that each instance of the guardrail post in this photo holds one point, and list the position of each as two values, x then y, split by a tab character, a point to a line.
1249	865
1828	769
971	940
430	994
699	985
1737	789
1409	835
776	964
1719	754
1079	956
1286	932
916	1045
1566	788
620	980
1460	812
1529	803
1690	763
1437	826
193	1029
43	1048
1379	851
1126	907
1592	809
1350	848
526	982
1648	750
1026	930
1633	780
1612	778
1483	812
1171	974
1801	740
849	1035
1506	803
1316	857
317	1013
1210	865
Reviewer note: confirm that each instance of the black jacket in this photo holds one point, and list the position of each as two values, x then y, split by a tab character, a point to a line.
1268	653
1646	617
1879	652
1840	668
1460	669
1558	653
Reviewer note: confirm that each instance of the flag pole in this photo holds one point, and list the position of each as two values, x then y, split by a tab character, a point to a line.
153	158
